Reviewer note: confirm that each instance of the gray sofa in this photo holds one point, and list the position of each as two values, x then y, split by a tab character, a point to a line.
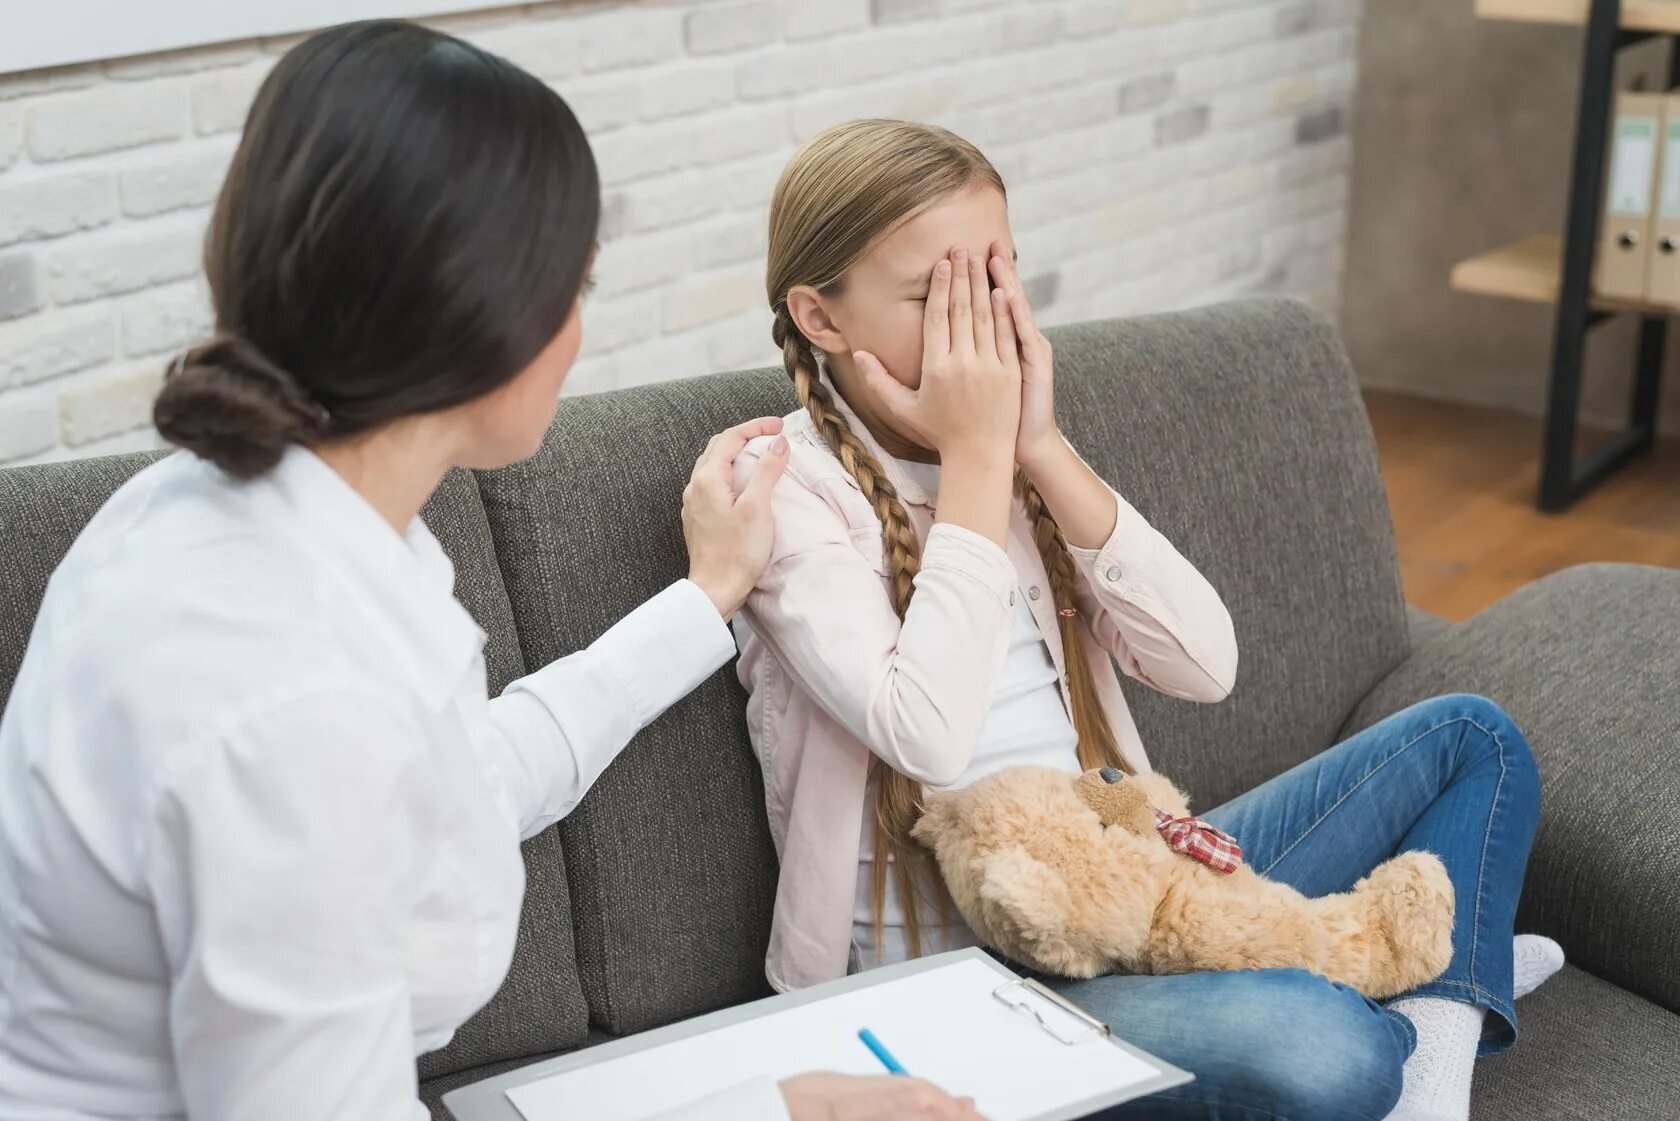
1239	431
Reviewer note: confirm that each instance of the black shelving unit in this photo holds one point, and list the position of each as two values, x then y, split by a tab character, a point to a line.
1563	476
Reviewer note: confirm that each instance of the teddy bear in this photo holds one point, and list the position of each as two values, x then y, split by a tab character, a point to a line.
1082	875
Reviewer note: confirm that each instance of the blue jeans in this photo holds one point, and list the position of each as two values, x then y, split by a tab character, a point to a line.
1453	776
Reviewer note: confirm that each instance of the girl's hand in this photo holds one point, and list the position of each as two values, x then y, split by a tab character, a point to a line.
729	536
1038	433
969	403
843	1097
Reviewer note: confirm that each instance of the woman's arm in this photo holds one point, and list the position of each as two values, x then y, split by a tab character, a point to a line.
554	731
284	858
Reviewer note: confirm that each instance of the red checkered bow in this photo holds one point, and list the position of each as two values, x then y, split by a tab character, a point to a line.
1196	838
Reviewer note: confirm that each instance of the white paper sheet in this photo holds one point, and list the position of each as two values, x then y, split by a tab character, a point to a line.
943	1025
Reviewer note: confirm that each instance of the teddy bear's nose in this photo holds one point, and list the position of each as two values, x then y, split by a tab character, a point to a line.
1109	775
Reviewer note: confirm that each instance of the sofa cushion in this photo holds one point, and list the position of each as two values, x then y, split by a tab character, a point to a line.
1587	1050
432	1090
1424	626
1238	430
1585	661
669	856
42	510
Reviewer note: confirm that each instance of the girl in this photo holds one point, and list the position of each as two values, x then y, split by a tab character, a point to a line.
949	592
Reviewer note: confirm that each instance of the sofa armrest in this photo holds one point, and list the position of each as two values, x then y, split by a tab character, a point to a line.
1422	627
1587	661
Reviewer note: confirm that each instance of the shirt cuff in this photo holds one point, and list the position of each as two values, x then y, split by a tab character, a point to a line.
1124	557
956	548
665	648
758	1100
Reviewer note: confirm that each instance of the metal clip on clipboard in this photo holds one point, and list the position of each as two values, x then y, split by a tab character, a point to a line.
1014	995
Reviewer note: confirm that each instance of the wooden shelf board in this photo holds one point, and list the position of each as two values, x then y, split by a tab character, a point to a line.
1529	270
1637	15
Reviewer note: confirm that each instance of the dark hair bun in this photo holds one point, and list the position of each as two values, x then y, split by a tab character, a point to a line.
224	400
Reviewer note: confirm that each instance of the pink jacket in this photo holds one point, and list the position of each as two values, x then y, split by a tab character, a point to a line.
833	674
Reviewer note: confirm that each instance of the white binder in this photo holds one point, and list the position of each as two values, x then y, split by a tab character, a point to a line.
959	1020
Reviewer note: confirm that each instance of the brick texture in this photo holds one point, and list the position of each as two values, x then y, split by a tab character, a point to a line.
1158	153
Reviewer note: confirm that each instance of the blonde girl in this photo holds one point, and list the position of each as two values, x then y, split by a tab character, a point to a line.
953	591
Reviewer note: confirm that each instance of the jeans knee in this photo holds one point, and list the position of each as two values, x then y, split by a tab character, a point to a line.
1498	734
1304	1047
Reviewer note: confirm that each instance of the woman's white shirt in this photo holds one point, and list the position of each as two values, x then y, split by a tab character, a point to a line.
259	819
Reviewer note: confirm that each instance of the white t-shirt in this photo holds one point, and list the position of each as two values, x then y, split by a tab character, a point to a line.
1027	725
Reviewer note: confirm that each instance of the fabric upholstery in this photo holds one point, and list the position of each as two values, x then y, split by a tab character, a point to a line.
1239	432
1588	1051
432	1090
669	856
1423	626
1586	661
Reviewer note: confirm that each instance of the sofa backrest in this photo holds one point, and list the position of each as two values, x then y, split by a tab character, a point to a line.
1239	431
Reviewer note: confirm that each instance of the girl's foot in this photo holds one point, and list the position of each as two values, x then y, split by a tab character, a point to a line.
1436	1079
1535	958
1437	1076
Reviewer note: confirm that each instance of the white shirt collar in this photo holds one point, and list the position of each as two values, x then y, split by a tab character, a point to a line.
405	582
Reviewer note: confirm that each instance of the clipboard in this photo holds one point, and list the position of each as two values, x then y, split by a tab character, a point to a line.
1069	1035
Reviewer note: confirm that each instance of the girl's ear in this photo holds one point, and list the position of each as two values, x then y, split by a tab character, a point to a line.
809	311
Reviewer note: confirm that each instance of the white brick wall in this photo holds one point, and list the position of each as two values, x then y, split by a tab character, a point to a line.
1159	153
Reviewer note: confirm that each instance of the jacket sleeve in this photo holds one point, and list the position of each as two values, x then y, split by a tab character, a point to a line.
915	690
552	733
1155	613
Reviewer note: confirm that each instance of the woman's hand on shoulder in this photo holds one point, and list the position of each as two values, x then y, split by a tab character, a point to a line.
845	1097
729	534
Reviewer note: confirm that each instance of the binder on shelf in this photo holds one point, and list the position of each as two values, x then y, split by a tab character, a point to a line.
1625	233
1662	277
1644	66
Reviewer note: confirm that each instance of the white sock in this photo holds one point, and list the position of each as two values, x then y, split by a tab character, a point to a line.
1436	1084
1535	958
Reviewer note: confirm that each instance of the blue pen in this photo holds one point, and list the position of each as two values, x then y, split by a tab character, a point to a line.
881	1052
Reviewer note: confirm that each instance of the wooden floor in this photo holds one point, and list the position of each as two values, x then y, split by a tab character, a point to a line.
1461	486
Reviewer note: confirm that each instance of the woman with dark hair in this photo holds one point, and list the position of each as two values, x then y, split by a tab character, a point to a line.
259	821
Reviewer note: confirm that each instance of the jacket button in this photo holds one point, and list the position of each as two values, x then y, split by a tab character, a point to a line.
1012	599
1113	574
1032	592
